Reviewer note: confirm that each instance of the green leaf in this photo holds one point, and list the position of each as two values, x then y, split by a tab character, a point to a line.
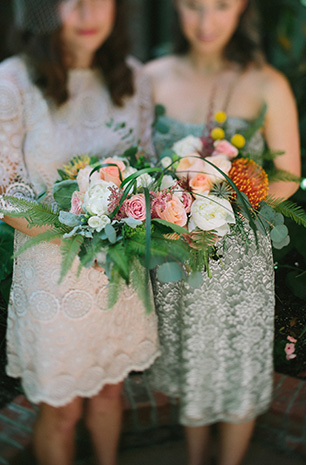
169	272
195	279
69	250
6	250
278	233
256	124
69	219
288	209
117	255
284	176
63	191
280	244
174	227
111	233
147	227
130	154
167	153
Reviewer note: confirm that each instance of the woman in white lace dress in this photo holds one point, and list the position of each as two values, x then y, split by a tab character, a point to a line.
217	340
56	97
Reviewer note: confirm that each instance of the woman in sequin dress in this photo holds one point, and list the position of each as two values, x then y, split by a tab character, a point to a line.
217	340
56	99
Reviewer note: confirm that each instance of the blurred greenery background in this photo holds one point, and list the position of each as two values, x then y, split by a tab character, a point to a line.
284	41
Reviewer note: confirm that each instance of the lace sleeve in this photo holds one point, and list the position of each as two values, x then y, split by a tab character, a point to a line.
13	174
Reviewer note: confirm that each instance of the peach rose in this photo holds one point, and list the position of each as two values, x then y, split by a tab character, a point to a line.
135	207
189	166
76	203
223	147
83	179
200	183
174	212
222	162
111	173
186	199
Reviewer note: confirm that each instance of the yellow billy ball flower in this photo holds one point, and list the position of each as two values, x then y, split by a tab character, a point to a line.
220	117
238	141
217	133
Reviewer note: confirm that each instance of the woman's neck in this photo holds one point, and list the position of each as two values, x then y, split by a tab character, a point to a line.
207	65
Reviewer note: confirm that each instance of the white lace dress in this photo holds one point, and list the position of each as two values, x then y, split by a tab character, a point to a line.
217	340
61	339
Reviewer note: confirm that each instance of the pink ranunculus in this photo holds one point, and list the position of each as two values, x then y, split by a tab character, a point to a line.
187	201
291	339
77	202
291	356
190	166
174	212
201	183
223	147
111	173
135	207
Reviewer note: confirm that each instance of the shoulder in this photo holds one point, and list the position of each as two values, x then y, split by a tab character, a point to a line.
269	82
14	68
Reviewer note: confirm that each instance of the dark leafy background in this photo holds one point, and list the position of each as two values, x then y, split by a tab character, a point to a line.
284	40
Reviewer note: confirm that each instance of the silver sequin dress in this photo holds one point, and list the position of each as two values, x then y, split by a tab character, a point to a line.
217	340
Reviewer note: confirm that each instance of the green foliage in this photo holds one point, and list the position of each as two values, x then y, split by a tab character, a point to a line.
69	249
37	214
282	175
38	239
170	272
287	208
62	192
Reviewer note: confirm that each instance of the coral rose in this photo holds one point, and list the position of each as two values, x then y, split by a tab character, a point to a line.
200	183
111	173
174	212
190	166
135	207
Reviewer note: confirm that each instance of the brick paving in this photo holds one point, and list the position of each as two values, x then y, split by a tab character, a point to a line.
151	419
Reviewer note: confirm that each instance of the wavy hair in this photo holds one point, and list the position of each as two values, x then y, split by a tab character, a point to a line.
45	59
245	45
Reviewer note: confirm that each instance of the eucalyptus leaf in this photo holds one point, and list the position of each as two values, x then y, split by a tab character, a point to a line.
279	219
279	245
69	219
63	191
161	127
169	272
195	279
131	222
167	153
111	233
278	233
160	110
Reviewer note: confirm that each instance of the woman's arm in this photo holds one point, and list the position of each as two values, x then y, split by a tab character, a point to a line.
281	130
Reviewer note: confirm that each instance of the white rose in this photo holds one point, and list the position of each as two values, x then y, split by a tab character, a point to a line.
222	162
101	257
99	222
187	145
165	162
96	197
128	171
212	213
145	180
83	178
167	182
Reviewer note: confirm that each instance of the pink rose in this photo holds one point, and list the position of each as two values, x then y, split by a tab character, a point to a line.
222	162
223	147
83	179
200	183
291	356
135	207
189	166
174	212
76	202
291	339
111	173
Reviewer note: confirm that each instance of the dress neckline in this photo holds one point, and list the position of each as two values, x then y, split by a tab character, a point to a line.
229	118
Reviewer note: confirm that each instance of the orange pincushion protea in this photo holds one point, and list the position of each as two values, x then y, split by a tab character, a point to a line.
251	179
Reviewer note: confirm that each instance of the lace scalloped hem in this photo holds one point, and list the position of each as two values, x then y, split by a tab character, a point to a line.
65	397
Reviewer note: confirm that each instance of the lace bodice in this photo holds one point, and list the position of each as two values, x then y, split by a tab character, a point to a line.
37	137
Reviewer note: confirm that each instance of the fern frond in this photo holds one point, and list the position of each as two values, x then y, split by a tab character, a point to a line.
37	214
88	254
44	237
69	250
271	155
114	288
141	283
282	175
287	208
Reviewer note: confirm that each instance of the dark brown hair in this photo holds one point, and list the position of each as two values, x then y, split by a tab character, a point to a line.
44	57
245	45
